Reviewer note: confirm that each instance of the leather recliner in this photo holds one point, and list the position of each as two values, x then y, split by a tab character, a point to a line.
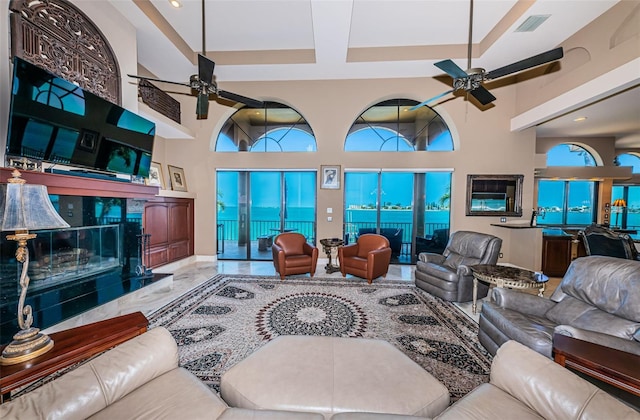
598	300
448	275
292	254
368	258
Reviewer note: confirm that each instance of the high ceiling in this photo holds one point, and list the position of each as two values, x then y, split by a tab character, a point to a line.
262	40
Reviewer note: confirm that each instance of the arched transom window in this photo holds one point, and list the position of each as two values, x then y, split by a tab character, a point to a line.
391	126
274	128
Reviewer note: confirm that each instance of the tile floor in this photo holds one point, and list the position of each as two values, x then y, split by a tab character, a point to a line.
189	273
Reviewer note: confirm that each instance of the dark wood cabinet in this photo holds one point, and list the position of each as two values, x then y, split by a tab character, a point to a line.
170	222
557	253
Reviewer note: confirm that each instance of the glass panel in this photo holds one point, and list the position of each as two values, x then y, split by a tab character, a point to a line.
626	217
627	159
231	208
580	203
265	212
71	271
300	203
274	128
360	204
246	229
437	213
551	196
569	155
396	213
391	126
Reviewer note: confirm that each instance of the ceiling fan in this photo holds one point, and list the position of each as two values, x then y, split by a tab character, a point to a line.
472	79
203	83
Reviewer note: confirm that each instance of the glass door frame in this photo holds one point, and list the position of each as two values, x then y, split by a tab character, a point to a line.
248	240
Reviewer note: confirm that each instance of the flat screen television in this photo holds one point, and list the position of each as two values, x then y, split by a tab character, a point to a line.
53	120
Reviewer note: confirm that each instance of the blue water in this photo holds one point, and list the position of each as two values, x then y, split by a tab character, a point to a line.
302	219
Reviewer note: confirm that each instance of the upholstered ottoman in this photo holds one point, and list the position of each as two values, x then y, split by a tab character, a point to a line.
332	375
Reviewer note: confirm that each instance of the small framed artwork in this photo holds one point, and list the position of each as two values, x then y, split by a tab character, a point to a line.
178	181
155	175
88	141
330	177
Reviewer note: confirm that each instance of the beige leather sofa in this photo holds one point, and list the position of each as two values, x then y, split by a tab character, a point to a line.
141	379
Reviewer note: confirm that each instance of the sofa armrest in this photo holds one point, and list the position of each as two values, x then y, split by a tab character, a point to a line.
549	389
429	257
95	385
521	302
606	340
309	249
464	271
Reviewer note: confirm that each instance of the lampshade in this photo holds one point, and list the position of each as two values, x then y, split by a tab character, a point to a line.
27	207
619	202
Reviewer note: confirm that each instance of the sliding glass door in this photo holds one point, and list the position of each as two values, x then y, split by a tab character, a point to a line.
255	206
408	208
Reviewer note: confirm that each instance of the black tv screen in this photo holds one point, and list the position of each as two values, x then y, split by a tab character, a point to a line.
54	120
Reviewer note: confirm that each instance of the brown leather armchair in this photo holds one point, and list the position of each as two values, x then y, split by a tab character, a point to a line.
368	258
293	255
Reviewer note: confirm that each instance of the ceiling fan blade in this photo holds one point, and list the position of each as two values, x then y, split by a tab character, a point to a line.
202	106
451	68
413	108
253	103
482	95
536	60
205	69
158	80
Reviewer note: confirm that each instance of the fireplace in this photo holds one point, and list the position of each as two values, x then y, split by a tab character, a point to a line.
92	262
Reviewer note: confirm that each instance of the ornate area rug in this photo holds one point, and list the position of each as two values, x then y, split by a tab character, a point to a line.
228	317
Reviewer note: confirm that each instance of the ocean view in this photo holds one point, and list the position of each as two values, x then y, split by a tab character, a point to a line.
302	219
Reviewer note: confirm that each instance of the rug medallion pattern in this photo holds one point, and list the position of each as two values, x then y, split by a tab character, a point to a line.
230	316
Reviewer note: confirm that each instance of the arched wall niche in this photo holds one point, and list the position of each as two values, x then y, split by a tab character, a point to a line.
57	36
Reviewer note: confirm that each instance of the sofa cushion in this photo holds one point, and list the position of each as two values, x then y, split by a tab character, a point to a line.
577	313
439	271
176	394
608	283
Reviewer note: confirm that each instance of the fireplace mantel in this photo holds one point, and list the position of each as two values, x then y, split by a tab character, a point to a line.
61	184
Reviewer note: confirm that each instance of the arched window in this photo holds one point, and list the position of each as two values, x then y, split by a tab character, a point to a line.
628	159
274	128
391	126
567	154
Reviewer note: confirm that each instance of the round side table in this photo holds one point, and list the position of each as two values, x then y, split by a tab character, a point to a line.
506	276
328	245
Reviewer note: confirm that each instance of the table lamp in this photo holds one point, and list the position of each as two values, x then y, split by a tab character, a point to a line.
25	207
619	203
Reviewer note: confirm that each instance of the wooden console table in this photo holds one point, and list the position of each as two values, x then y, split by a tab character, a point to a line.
612	366
72	346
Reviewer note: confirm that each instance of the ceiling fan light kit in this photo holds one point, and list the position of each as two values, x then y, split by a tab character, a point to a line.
472	79
203	84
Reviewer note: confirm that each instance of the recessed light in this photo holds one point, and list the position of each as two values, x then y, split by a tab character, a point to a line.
175	3
580	119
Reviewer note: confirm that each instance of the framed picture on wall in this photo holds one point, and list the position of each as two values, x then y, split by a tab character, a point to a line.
178	181
330	177
155	175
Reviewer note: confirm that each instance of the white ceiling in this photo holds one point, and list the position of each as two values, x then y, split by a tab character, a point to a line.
262	40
